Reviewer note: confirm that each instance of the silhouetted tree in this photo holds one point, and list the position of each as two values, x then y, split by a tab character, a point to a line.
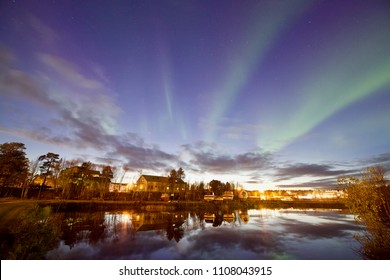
86	179
105	180
175	176
47	166
217	187
228	187
13	164
180	174
172	179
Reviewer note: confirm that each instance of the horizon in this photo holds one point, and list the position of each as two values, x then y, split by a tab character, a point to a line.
259	93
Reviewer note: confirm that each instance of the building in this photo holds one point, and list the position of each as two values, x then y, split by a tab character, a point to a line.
80	171
119	187
49	181
151	183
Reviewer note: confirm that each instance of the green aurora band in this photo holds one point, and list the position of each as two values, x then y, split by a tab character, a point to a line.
357	68
266	27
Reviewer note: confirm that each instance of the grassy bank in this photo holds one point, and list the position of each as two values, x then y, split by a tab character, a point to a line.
11	209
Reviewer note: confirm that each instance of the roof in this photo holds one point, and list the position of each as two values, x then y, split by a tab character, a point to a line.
159	179
151	178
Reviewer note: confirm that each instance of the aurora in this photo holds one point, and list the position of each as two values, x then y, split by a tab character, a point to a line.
265	94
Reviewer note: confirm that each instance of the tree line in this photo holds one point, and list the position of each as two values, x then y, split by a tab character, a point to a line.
75	179
70	178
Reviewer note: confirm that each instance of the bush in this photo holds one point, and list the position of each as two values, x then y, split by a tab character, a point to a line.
369	200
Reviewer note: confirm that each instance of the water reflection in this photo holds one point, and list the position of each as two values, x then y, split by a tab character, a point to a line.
252	234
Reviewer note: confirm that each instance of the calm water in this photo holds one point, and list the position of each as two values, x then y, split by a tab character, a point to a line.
253	234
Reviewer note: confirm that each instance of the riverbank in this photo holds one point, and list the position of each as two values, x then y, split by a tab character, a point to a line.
107	205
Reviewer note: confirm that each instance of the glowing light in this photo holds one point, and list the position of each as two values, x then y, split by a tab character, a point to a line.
167	85
173	116
265	26
345	74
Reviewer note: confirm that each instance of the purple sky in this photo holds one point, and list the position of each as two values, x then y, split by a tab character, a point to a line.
262	93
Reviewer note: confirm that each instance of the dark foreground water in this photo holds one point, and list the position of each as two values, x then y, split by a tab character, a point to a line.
252	234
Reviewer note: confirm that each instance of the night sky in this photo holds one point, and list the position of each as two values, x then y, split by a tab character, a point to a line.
262	93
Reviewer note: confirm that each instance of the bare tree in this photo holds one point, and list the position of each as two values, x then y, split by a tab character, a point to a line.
32	174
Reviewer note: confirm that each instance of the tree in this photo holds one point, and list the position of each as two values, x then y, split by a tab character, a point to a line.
172	179
369	200
13	164
32	174
86	179
49	162
217	187
175	181
57	168
228	186
180	174
68	178
105	180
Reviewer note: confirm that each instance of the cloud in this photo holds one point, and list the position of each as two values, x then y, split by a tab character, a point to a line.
18	84
42	135
139	155
381	159
80	104
313	170
69	71
326	174
79	112
309	175
43	31
206	157
129	149
313	184
83	102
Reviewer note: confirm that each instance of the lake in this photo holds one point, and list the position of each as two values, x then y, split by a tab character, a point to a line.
297	234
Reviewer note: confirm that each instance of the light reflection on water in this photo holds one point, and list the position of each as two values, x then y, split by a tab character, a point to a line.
253	234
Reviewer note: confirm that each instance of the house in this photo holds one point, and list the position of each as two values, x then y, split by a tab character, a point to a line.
209	196
151	183
79	172
49	181
228	195
118	187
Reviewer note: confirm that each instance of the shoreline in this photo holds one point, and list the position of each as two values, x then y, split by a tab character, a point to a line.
107	205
